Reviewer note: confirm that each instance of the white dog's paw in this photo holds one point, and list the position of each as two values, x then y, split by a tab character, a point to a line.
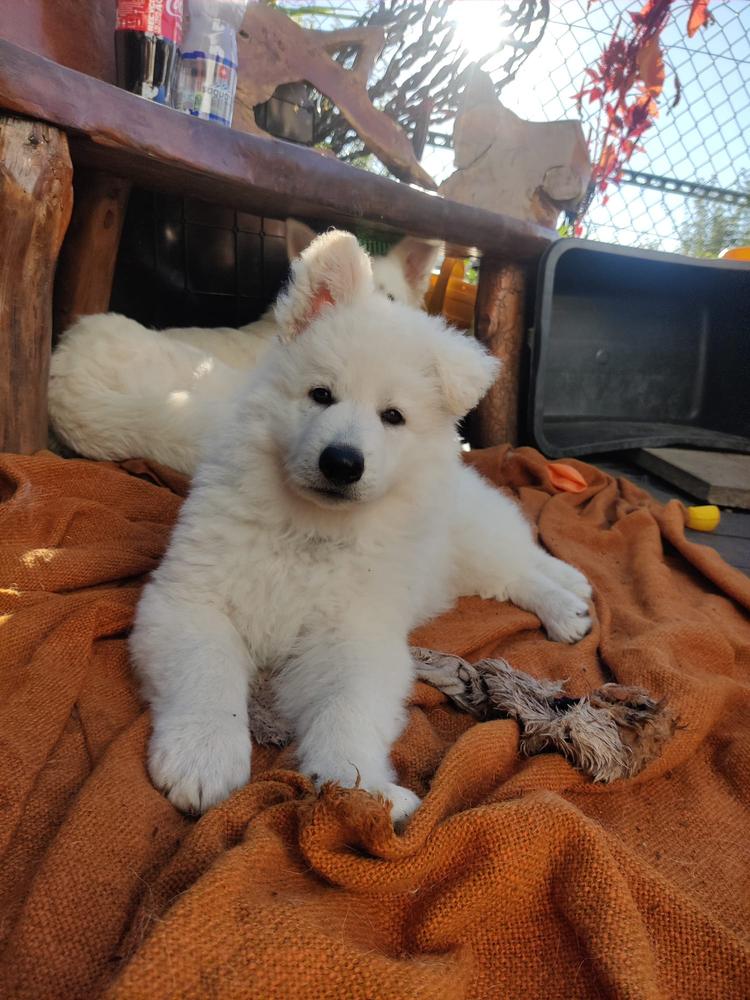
198	763
403	802
564	615
568	577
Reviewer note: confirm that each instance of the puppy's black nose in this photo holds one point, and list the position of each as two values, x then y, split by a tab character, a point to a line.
341	465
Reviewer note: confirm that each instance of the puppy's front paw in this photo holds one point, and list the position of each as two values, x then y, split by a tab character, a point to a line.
403	802
567	576
198	763
565	616
377	782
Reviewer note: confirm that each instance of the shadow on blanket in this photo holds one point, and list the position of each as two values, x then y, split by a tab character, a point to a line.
516	875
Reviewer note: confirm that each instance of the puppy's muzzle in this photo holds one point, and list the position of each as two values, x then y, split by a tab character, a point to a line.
341	465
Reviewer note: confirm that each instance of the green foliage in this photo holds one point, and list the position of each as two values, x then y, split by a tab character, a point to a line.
314	10
714	226
471	271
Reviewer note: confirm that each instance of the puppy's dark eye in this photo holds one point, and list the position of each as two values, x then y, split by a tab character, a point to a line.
321	396
391	298
391	416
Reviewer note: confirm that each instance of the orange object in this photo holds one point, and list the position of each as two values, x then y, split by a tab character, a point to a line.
735	253
514	876
435	295
460	299
566	478
458	296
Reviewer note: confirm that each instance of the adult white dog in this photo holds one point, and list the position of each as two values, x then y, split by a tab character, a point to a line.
118	390
329	515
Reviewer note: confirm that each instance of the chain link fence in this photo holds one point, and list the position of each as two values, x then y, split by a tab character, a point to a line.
688	189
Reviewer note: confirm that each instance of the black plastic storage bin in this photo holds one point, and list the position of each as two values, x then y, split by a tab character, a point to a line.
635	348
184	262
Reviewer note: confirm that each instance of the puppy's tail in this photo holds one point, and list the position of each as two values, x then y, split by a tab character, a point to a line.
119	391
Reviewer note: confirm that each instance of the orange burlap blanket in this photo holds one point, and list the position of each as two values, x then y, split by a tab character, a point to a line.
516	878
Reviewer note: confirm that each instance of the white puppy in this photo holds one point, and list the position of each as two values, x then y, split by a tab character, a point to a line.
330	514
118	390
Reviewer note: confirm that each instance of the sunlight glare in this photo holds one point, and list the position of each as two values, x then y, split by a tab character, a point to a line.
478	28
178	398
38	557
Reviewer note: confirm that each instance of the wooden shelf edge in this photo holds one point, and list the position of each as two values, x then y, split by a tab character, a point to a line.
157	147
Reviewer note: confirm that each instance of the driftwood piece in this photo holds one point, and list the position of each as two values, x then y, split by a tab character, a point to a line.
86	269
274	50
530	170
612	733
500	325
367	39
154	147
36	197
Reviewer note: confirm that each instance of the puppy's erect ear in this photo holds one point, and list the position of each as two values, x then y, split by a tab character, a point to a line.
416	259
298	237
465	371
333	270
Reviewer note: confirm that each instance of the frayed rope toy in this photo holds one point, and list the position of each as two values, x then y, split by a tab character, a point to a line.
611	733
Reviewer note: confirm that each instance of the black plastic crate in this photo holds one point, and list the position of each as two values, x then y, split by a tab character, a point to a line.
184	262
635	348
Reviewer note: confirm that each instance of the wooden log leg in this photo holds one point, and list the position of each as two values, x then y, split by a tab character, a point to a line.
36	196
86	269
500	326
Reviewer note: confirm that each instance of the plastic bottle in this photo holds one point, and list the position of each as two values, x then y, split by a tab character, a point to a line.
207	75
147	38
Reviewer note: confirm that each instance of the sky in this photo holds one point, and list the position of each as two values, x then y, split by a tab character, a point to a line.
706	137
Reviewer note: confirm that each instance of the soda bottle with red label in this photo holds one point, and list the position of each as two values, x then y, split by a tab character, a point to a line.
147	39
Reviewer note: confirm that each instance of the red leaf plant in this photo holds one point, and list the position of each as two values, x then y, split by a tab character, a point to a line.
627	84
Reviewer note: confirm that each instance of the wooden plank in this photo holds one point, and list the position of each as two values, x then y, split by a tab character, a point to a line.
36	196
732	537
720	478
733	523
75	33
159	148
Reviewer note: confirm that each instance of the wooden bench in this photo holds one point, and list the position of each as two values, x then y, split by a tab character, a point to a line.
63	131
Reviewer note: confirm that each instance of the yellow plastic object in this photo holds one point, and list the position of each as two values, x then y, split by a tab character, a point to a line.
735	253
703	518
459	297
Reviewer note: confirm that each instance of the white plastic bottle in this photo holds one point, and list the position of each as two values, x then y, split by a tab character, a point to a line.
207	75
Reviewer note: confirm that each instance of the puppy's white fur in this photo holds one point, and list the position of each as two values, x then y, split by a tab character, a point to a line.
118	390
268	571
